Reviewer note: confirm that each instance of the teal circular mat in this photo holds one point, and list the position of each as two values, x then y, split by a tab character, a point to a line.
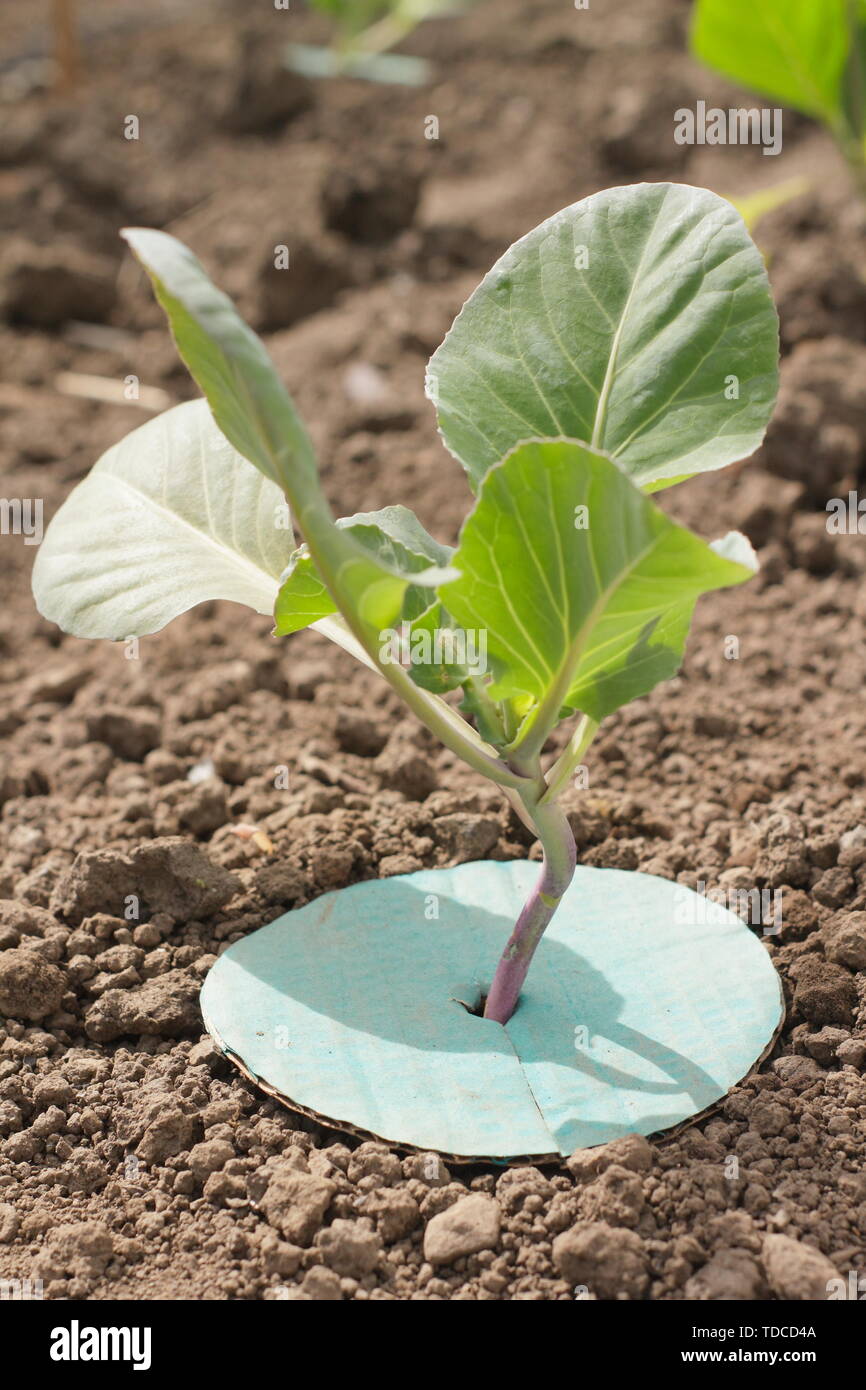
645	1003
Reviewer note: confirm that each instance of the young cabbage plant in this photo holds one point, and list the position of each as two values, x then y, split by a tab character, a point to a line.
625	344
807	54
365	32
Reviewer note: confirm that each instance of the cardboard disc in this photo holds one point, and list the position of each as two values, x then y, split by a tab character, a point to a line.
644	1004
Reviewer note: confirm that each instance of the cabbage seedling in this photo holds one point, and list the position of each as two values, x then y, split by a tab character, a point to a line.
753	206
807	54
625	344
365	31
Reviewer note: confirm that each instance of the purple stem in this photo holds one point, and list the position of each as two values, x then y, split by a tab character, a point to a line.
560	857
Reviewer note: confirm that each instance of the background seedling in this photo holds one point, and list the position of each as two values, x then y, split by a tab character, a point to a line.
365	31
753	206
807	54
622	346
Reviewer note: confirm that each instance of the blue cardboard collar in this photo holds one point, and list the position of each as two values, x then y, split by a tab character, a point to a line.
644	1005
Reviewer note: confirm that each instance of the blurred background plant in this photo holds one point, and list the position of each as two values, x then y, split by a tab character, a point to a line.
753	206
808	54
365	32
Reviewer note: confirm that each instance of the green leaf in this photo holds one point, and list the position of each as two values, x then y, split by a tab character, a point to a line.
395	537
399	69
625	322
426	637
303	598
590	615
354	15
168	518
794	51
254	411
230	364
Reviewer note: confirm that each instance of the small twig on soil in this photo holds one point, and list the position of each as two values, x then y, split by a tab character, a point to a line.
106	388
67	51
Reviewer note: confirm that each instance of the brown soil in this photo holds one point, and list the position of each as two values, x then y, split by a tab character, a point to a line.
133	1161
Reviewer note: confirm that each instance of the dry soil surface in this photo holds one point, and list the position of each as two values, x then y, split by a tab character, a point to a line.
134	1162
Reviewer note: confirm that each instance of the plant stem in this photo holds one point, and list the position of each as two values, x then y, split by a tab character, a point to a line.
560	856
855	156
447	725
570	758
849	128
386	33
544	719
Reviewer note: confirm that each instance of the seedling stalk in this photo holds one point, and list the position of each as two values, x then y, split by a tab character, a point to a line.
560	858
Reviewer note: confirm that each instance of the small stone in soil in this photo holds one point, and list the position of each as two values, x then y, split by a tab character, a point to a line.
470	1225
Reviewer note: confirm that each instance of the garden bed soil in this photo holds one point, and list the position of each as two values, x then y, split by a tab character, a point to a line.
134	1161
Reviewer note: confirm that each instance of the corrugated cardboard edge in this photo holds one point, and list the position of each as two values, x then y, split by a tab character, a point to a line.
518	1160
